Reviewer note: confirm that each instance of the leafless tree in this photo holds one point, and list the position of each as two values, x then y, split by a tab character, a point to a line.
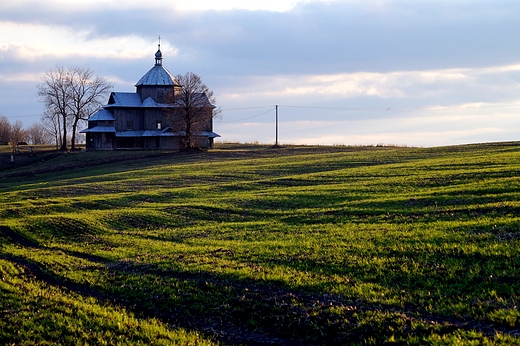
18	133
195	107
37	134
73	94
52	124
5	130
88	94
54	92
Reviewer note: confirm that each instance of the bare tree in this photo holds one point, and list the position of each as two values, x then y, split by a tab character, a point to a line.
88	94
18	133
37	134
54	92
195	107
5	130
73	94
52	124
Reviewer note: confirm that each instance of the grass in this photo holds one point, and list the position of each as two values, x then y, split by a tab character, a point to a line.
247	244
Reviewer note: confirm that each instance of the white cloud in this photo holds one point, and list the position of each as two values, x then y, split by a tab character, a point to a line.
397	84
499	69
420	127
31	49
193	5
444	68
22	77
201	5
426	126
29	42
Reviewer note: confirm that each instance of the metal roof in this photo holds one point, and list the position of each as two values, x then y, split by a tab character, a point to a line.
163	133
129	133
198	133
210	134
157	75
101	114
142	133
99	129
154	133
149	102
124	99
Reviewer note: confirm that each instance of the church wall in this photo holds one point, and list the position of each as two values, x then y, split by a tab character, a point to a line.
128	119
170	143
158	94
149	143
100	141
152	116
129	143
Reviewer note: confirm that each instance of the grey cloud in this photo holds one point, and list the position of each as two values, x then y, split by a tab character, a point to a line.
328	38
316	37
227	47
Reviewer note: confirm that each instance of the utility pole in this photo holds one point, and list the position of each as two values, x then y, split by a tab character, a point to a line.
276	142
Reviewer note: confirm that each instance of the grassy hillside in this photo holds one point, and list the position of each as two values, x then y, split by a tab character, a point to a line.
254	245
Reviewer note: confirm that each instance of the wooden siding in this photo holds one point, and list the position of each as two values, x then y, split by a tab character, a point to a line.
151	117
100	141
159	94
124	115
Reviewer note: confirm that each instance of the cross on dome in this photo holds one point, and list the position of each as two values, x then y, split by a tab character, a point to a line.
158	55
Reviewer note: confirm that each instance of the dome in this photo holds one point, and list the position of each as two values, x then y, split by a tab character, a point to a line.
157	75
158	55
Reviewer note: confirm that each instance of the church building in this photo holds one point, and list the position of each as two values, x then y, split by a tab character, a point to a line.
148	118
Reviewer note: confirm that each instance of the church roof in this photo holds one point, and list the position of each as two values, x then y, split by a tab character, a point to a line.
99	129
124	99
157	75
149	102
100	115
127	99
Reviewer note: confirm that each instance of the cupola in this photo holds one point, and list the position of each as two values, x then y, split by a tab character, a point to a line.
158	55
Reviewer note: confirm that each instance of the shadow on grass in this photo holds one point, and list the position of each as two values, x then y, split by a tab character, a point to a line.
14	237
62	228
237	311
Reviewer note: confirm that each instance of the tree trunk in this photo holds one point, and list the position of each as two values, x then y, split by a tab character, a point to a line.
58	135
73	138
188	135
64	139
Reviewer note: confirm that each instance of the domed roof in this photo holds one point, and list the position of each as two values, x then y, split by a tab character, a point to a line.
157	75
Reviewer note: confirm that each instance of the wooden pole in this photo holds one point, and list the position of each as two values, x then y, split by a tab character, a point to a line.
276	142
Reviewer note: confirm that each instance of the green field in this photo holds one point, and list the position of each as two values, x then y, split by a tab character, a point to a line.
257	245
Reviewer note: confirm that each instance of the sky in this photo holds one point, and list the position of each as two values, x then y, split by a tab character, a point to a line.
342	72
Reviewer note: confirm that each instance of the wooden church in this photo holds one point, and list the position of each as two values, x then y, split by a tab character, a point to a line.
147	118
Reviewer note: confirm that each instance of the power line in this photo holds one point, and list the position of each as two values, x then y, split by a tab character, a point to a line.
332	108
244	108
254	116
367	109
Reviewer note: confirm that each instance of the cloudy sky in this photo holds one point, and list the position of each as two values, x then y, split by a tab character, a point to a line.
407	72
